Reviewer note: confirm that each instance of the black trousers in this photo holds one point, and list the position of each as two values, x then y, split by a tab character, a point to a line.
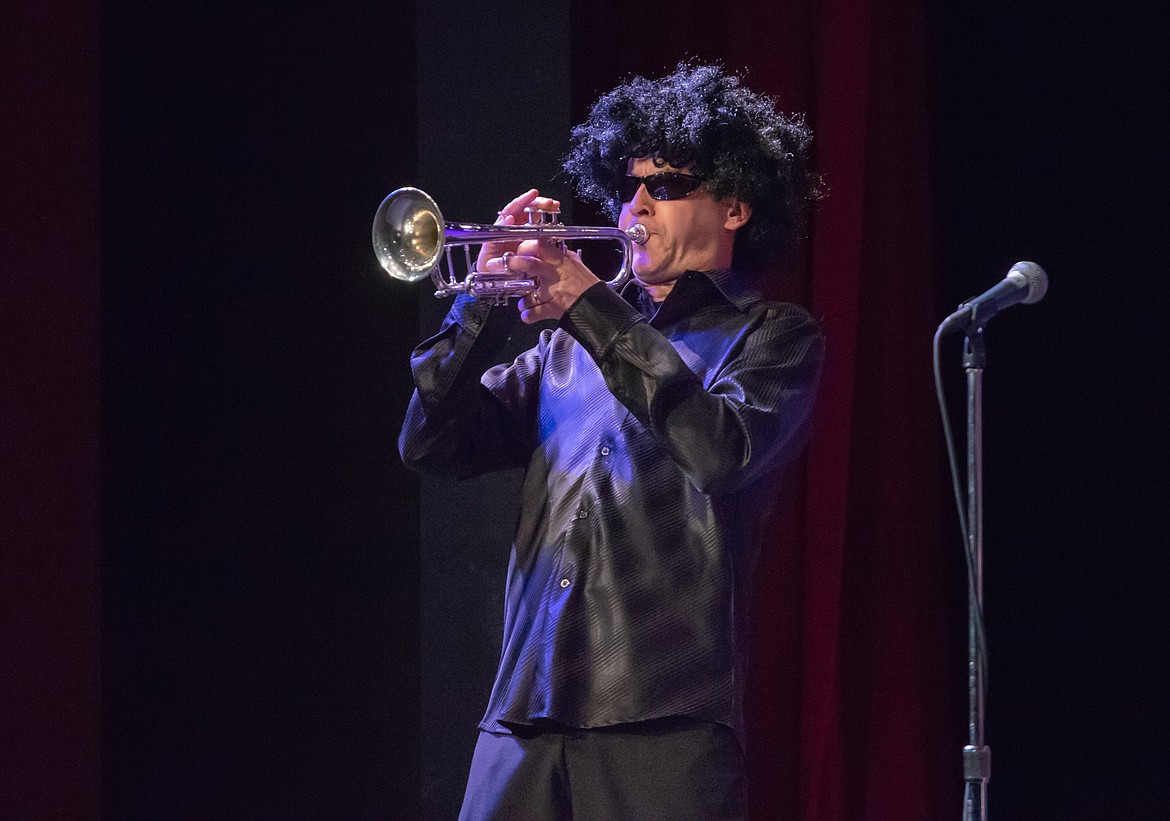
672	770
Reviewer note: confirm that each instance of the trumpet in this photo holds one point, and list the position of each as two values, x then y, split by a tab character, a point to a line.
412	241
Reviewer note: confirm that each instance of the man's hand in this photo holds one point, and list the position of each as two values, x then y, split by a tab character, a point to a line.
561	276
513	214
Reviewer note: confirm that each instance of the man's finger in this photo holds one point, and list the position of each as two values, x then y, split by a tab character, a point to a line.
517	206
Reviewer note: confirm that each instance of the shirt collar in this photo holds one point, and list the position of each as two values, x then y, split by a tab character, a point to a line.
693	289
736	287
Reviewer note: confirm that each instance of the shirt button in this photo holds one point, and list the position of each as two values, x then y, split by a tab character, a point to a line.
582	514
564	582
605	450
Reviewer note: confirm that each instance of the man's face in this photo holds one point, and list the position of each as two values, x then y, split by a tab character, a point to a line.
685	234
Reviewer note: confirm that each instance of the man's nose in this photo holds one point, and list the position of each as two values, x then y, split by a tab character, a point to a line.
642	203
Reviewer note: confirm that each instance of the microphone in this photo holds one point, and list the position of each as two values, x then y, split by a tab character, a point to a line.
1026	282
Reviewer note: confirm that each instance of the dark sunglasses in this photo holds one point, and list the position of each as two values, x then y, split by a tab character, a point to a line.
665	185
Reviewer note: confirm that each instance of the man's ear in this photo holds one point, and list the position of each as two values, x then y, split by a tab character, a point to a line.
738	213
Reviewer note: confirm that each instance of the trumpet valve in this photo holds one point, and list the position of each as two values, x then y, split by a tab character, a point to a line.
541	216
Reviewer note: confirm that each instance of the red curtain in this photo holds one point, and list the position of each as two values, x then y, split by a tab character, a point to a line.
855	707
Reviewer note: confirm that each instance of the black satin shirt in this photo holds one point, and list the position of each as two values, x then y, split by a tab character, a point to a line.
652	440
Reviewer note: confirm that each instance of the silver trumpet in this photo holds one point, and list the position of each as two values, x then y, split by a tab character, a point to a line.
411	240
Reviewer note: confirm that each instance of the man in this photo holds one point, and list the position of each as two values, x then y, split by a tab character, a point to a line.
652	424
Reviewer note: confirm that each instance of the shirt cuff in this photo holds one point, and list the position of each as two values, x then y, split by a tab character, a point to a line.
478	318
598	318
469	312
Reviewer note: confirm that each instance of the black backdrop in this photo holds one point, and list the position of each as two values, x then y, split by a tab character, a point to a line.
259	597
260	538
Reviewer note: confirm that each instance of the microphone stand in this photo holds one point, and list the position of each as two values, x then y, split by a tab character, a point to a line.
976	754
1026	282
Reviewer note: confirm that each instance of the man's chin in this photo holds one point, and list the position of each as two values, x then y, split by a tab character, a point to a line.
646	273
654	277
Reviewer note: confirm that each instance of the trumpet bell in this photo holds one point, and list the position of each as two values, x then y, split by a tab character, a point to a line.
408	234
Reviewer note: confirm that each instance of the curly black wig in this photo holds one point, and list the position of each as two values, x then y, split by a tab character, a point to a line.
733	138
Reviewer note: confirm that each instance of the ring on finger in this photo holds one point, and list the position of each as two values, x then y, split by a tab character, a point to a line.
504	260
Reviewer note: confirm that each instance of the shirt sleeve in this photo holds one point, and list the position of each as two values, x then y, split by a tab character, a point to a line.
455	425
751	417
